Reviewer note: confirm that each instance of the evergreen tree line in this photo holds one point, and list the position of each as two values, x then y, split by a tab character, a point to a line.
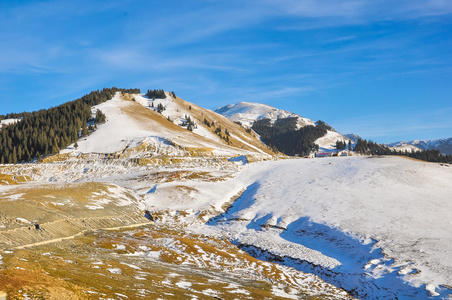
225	136
286	138
156	94
341	145
371	148
129	91
47	131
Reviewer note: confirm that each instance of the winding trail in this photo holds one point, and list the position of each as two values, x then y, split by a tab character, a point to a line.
81	233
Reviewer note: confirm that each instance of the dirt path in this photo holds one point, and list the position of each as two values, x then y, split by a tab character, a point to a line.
81	233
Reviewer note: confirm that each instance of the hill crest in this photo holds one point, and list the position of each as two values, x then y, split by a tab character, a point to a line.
134	119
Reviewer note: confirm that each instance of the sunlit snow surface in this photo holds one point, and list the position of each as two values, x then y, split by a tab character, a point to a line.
7	122
378	227
248	112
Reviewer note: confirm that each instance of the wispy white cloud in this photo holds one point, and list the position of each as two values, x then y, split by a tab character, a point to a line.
139	58
332	13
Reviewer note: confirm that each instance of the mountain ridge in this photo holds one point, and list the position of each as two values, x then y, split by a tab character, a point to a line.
444	145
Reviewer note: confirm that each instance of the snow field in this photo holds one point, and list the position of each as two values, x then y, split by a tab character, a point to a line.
7	122
378	218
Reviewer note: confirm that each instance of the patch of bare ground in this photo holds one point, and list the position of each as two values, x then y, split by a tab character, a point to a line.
150	263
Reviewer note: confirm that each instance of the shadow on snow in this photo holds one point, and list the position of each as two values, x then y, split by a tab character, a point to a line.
356	274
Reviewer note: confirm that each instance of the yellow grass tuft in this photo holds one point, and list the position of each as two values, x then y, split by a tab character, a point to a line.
6	179
56	158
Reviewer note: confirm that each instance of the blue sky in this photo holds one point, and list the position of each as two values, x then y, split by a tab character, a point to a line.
381	69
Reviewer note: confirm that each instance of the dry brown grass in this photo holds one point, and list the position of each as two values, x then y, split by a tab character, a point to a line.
82	268
200	113
56	158
6	179
151	120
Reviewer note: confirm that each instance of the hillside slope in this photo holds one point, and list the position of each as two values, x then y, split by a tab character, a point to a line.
80	224
132	122
375	226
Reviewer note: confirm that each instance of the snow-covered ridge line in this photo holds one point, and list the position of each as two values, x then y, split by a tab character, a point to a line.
248	112
135	120
444	145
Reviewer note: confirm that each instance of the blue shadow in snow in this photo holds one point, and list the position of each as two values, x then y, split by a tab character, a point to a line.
246	200
353	255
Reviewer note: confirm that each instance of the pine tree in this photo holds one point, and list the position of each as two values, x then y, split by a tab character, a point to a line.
14	157
100	117
85	130
55	149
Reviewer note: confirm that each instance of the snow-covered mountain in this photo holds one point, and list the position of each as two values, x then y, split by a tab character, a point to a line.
248	112
353	137
443	145
133	122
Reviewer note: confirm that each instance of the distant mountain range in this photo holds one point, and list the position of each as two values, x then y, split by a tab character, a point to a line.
247	113
189	125
443	145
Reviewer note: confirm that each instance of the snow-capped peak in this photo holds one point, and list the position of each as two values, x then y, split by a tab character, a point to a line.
248	112
353	137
